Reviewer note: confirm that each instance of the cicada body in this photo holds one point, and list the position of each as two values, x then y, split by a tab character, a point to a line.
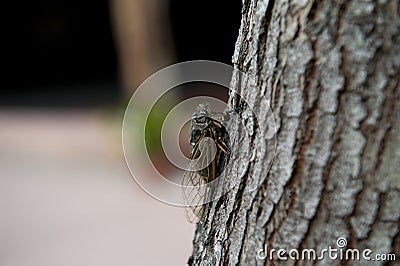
210	152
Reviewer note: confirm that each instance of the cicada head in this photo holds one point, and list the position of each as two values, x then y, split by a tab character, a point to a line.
199	121
204	109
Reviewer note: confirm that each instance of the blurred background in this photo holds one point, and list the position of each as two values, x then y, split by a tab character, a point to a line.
69	68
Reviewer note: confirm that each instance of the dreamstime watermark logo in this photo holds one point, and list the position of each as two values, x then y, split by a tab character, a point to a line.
148	94
339	252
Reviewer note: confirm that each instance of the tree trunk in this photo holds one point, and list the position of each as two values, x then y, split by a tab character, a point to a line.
330	71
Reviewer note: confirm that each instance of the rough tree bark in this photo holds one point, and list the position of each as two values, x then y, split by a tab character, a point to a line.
330	71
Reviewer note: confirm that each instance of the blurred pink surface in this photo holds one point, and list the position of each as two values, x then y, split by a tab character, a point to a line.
66	196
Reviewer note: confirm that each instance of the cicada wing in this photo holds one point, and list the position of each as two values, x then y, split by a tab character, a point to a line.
194	186
194	194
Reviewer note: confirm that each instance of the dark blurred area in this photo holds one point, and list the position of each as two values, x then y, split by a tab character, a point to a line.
205	29
58	53
71	53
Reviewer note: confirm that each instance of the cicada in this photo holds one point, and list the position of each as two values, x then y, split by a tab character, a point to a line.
209	154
